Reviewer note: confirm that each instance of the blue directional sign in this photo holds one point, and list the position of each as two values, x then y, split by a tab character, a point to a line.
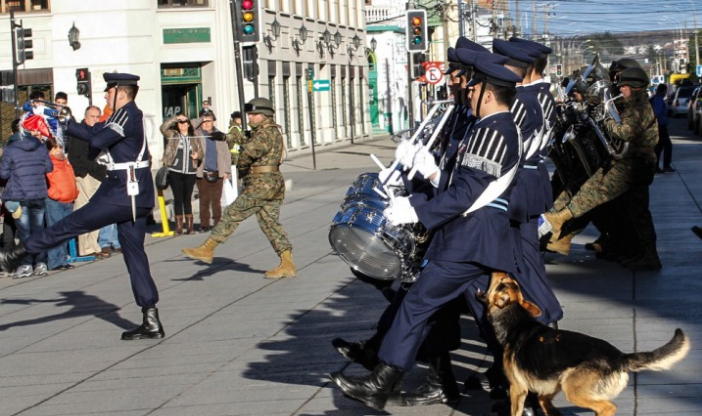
319	85
699	70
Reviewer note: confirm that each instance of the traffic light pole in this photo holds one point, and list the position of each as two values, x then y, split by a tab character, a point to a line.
237	62
410	64
14	61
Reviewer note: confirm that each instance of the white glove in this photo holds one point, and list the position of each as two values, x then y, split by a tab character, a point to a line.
401	212
405	153
425	163
390	177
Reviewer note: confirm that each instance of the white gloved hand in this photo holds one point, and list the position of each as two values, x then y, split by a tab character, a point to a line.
405	153
390	177
425	163
401	212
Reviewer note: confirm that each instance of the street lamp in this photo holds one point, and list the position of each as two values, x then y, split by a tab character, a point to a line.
374	44
73	35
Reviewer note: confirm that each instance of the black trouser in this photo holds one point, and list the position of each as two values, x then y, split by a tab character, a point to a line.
182	186
665	145
638	219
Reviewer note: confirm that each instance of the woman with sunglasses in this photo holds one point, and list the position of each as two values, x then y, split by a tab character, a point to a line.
182	156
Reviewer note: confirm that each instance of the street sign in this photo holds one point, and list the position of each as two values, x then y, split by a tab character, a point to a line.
699	70
434	75
319	85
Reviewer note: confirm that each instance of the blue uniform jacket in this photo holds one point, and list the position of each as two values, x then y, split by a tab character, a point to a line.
483	236
529	119
123	135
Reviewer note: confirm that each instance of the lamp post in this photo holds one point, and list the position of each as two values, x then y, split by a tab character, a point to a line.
73	35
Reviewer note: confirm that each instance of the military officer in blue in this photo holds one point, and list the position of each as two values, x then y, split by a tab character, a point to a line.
125	197
527	197
470	240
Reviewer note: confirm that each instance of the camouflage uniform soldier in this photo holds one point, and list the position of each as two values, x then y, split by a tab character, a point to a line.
264	190
639	128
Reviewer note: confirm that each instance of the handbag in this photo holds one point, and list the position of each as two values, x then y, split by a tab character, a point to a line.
162	178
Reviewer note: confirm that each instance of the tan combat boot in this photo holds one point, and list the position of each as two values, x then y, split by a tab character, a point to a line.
561	246
204	252
557	219
286	268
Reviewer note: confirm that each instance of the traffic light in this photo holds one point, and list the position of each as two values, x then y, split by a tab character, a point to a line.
559	70
250	62
249	28
23	37
416	31
84	81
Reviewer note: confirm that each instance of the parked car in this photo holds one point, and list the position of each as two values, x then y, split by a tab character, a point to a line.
680	98
692	106
697	128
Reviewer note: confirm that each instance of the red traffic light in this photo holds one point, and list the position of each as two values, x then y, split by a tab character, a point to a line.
247	4
82	74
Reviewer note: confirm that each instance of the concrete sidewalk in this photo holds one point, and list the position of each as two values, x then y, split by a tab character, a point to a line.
238	344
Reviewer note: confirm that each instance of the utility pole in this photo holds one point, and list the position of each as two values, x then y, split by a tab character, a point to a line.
533	24
519	20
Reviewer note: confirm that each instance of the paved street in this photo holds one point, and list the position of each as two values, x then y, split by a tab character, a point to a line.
238	344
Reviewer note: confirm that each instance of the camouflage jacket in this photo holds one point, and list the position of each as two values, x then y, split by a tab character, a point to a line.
638	125
264	148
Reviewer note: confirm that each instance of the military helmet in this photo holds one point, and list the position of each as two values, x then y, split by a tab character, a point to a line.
260	105
634	77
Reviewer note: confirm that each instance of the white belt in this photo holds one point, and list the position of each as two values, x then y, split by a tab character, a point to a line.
128	165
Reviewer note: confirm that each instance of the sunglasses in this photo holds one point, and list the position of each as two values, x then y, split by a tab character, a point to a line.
183	122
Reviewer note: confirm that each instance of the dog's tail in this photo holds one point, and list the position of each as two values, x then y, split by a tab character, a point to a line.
661	358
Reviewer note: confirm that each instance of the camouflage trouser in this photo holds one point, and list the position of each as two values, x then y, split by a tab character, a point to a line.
267	213
601	187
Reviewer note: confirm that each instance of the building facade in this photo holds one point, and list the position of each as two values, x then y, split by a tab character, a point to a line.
184	52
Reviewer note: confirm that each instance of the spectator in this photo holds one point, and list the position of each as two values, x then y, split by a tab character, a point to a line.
108	239
215	167
89	174
182	156
24	165
59	204
665	145
9	228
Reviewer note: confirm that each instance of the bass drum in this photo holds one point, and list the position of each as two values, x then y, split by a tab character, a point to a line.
367	242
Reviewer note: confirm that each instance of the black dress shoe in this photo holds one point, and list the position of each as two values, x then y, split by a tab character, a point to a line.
357	352
697	230
373	389
431	392
659	170
150	328
669	169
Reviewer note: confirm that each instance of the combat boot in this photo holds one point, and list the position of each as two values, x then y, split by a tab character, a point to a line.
561	246
204	252
189	228
150	328
373	389
179	225
285	269
557	219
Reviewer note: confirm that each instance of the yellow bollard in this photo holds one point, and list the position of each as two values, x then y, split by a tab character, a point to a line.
164	217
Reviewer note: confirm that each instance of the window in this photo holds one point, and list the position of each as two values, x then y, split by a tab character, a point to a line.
25	5
182	3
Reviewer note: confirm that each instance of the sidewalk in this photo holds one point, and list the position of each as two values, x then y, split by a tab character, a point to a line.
238	344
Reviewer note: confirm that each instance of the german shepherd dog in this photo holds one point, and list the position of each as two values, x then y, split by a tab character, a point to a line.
590	371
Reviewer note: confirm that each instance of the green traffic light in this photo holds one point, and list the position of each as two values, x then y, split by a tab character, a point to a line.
417	40
248	29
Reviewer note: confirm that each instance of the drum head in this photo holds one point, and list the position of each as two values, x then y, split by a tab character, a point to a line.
365	252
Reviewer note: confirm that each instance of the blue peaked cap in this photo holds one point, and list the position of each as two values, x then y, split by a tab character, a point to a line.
114	79
517	57
486	70
545	50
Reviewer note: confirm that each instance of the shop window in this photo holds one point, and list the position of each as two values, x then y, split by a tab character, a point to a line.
25	5
182	3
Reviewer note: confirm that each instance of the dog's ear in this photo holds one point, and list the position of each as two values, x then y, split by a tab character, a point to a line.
533	310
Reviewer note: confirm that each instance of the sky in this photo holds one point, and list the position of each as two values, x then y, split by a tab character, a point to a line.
573	17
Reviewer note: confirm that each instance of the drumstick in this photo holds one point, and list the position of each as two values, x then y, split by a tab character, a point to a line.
437	130
377	161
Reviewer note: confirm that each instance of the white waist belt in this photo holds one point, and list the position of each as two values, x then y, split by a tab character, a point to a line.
128	165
